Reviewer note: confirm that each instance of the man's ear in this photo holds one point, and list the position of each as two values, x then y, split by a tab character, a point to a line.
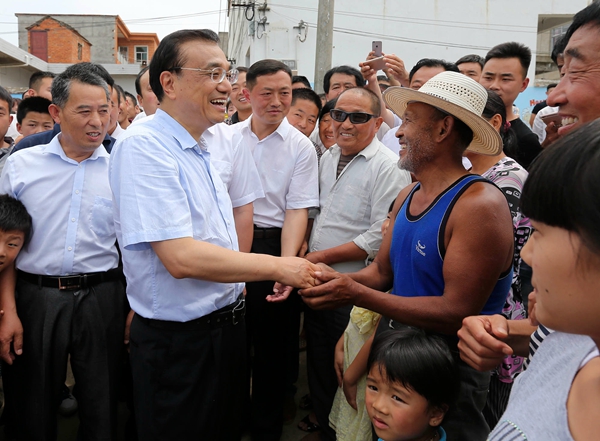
54	112
445	126
167	81
525	84
246	94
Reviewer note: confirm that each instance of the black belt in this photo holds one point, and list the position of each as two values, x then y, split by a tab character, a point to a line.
267	233
72	283
230	314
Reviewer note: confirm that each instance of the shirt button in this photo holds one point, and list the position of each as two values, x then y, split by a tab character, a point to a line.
76	191
72	219
70	248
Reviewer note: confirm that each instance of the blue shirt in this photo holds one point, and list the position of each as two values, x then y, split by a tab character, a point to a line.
71	207
164	187
46	137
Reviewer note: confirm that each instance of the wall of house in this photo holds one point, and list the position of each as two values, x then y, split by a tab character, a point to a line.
412	30
63	43
98	30
131	44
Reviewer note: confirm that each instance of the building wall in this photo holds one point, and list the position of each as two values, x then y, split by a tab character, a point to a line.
412	30
62	43
131	44
98	30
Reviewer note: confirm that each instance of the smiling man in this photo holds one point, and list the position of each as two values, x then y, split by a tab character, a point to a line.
287	166
175	224
238	99
70	298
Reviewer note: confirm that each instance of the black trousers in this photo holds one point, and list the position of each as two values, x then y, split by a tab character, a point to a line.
188	384
88	325
271	337
323	330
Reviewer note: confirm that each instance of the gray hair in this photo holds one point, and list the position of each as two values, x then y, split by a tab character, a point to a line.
61	86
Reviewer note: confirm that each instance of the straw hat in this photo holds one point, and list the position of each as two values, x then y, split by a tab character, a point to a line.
457	95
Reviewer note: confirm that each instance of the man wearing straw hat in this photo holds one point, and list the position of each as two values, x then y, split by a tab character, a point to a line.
450	251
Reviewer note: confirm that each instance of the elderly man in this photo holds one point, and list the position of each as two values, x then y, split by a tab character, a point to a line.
485	340
70	298
358	181
440	267
175	224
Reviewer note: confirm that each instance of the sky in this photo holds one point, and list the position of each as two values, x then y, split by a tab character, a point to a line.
151	17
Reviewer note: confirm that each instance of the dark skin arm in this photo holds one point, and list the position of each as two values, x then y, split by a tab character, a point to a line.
476	255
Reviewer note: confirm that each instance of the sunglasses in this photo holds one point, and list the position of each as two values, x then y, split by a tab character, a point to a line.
355	117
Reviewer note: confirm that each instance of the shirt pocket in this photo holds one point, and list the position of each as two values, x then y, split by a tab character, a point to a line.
101	217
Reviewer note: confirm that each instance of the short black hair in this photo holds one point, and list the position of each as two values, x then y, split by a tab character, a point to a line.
168	56
590	15
86	73
120	93
512	49
471	58
346	70
559	49
36	78
375	101
308	95
265	67
14	216
432	62
6	96
495	106
419	361
382	78
551	86
138	87
328	107
563	188
32	104
242	69
132	97
301	79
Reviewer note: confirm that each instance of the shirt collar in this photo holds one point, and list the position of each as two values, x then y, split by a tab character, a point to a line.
55	148
177	131
368	152
282	129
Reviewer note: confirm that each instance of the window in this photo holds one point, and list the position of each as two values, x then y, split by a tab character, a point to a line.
557	33
79	51
141	54
123	55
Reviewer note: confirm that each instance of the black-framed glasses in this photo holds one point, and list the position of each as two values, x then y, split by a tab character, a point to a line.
217	74
355	117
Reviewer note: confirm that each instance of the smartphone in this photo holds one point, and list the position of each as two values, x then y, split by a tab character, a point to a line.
376	48
376	63
553	117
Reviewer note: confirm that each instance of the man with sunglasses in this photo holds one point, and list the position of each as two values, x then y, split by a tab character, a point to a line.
358	181
174	223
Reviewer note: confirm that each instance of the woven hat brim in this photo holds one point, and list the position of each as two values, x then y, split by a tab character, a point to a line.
486	140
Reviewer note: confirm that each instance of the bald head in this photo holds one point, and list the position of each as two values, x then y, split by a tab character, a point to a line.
375	104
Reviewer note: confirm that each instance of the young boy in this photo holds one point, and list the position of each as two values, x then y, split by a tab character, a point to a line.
33	116
6	144
304	111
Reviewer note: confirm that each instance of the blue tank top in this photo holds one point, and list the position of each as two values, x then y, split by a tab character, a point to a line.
417	250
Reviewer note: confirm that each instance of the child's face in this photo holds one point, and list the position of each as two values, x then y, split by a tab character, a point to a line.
398	413
304	115
35	122
11	243
5	119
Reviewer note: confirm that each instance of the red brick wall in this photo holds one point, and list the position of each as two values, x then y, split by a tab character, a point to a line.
62	43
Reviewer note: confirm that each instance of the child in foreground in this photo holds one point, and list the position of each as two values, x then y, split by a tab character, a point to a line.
412	382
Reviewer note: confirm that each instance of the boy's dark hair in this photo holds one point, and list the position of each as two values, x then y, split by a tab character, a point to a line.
382	78
265	67
5	96
36	78
559	49
590	15
138	87
512	49
493	106
131	97
242	69
471	58
432	62
328	107
308	95
563	186
14	216
419	361
33	104
551	86
346	70
168	56
301	79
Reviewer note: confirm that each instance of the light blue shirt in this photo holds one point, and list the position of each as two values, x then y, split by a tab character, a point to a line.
71	207
164	187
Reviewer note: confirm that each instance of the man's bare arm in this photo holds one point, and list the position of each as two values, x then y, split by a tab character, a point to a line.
293	231
11	330
347	252
244	226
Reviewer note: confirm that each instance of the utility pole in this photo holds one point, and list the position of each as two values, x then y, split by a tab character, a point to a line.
324	42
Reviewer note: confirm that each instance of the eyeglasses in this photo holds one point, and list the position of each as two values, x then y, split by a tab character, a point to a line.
217	74
355	117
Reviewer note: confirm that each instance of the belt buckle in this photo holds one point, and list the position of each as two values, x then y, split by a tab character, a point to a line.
68	286
241	308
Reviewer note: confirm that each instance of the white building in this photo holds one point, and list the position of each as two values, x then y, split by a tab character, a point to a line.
447	29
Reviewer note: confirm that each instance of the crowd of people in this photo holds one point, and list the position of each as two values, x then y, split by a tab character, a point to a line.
167	244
